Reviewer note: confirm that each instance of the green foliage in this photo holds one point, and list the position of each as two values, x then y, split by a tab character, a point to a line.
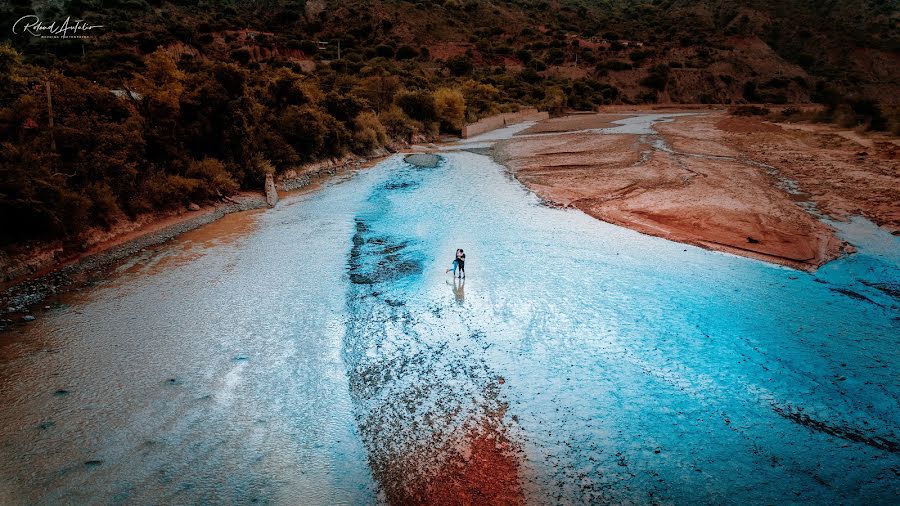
398	125
418	105
205	127
460	65
368	133
450	109
215	178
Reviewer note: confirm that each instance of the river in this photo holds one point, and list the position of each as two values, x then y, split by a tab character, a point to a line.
318	353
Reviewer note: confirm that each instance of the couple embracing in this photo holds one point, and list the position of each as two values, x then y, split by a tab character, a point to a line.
459	264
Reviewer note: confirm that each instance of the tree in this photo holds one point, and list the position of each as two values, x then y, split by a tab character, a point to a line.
450	108
418	105
480	99
378	91
554	101
460	65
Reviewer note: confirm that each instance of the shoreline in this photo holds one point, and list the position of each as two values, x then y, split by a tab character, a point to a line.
704	180
20	294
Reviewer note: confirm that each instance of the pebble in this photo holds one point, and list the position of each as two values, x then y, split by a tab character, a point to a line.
28	318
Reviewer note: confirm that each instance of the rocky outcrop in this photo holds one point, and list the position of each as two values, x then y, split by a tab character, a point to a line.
271	191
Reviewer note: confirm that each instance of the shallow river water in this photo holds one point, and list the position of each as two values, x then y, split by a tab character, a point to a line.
318	353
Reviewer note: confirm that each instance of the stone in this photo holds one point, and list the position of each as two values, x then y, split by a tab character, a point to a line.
28	318
193	207
271	191
427	160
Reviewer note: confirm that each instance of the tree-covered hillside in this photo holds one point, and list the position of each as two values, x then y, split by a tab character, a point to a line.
188	101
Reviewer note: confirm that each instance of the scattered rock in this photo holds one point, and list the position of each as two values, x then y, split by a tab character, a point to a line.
427	160
28	318
752	240
193	207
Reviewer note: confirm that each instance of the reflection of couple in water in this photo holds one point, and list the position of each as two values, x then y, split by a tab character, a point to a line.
459	264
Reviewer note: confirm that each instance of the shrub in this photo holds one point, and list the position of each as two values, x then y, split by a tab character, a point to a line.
241	55
614	65
406	53
450	108
216	180
312	132
657	78
169	190
460	65
398	125
384	51
554	101
418	105
368	133
379	92
639	56
344	107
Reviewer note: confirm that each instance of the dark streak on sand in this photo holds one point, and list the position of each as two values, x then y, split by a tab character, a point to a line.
797	416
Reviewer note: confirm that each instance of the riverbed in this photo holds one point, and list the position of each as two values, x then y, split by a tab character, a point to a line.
319	353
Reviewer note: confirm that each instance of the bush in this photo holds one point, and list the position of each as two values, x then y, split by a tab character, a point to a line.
313	133
554	101
418	105
384	51
368	133
166	191
614	65
398	124
450	109
460	65
639	56
657	78
217	182
406	53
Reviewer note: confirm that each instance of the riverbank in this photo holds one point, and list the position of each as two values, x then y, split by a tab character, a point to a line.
706	178
49	271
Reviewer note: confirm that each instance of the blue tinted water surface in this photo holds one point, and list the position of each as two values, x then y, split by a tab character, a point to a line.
326	357
634	369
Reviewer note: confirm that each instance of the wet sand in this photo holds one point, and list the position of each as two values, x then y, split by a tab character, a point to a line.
249	373
845	173
731	184
574	122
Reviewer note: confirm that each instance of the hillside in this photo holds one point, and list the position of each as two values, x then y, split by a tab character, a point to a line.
173	103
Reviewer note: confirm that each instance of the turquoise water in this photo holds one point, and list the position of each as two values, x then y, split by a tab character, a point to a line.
637	369
326	356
